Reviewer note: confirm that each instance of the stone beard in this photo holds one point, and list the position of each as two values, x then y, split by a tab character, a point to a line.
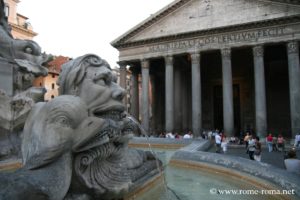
110	170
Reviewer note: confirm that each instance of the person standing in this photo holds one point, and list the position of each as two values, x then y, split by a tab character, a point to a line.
257	153
280	143
218	141
251	147
297	140
274	144
224	143
269	141
246	140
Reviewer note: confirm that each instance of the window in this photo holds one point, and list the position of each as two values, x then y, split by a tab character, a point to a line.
52	96
53	75
53	86
6	10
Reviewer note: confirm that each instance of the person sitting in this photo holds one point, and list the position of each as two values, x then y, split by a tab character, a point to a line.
188	135
170	135
292	164
177	136
162	135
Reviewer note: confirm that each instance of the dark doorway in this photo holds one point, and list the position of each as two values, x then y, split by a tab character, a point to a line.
236	109
277	90
218	107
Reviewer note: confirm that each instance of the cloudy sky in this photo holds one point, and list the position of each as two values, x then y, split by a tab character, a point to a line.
73	27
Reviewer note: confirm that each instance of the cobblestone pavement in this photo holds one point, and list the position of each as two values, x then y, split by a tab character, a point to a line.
275	158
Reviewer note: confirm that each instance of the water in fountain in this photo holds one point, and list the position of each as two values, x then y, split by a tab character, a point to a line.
145	134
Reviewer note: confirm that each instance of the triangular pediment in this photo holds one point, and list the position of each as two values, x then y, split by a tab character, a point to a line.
185	16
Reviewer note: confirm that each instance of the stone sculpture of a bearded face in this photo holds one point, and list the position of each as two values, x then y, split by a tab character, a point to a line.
91	78
110	170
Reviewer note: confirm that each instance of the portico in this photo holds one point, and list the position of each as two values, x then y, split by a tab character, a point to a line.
233	77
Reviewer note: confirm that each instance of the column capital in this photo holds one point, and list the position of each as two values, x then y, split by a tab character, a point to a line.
145	63
292	47
226	53
258	51
169	59
195	57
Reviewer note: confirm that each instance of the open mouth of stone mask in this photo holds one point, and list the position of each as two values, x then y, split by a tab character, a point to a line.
117	131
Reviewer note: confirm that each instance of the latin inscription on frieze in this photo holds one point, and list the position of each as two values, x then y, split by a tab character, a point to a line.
245	36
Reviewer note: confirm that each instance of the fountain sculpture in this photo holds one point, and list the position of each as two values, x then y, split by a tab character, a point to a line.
111	169
76	145
20	61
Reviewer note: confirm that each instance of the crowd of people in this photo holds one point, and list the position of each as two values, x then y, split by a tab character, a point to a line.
254	148
252	144
187	135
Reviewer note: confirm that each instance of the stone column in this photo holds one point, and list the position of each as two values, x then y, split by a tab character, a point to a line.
123	74
134	93
196	95
227	92
294	83
153	104
260	92
177	100
145	95
184	101
169	93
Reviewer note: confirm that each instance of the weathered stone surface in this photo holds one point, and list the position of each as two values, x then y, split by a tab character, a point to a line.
198	15
86	123
20	63
110	170
52	132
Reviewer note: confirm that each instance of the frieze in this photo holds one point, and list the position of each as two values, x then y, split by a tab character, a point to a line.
221	39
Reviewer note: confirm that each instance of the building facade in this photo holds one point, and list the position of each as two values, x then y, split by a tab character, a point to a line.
49	82
226	64
20	27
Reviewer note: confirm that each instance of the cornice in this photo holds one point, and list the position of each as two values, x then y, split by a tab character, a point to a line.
289	2
238	27
24	30
149	21
166	11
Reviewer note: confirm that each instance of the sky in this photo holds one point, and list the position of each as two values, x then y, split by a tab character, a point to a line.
73	28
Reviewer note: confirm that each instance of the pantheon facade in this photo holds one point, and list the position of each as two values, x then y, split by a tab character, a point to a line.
207	64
